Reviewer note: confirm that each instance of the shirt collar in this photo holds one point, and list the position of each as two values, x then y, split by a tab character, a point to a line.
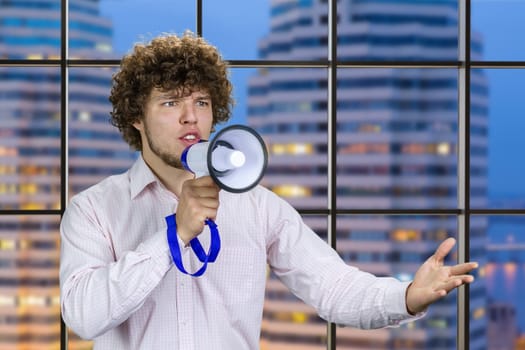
140	176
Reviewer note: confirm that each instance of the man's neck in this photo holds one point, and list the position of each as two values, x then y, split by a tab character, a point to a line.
172	178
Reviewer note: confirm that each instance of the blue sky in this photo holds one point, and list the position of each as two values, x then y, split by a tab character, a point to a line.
501	23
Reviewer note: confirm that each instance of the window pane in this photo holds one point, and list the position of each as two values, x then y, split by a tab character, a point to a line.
404	30
239	78
29	138
29	291
109	28
395	246
500	24
480	139
288	323
396	138
288	106
96	148
497	142
29	29
268	30
501	282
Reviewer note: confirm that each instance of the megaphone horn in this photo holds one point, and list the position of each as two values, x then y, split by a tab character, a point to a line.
235	158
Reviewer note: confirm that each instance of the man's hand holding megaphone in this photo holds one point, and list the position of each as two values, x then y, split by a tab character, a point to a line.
198	201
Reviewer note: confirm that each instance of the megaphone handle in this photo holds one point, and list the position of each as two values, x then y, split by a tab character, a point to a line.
173	243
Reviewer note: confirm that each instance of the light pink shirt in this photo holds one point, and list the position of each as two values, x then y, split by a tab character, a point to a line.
120	287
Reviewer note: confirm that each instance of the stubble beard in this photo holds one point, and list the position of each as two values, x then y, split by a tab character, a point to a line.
167	158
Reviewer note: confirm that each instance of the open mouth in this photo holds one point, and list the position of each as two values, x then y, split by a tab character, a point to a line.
190	138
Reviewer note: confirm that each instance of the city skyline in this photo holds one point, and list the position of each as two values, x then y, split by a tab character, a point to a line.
84	161
492	19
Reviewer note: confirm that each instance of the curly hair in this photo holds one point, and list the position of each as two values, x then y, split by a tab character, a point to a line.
169	62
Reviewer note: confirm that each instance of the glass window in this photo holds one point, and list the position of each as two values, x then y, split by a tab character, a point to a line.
397	138
496	178
108	28
368	146
29	299
30	30
96	148
236	26
288	107
395	246
501	278
499	24
30	138
397	30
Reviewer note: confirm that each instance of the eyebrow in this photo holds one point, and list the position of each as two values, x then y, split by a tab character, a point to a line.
173	96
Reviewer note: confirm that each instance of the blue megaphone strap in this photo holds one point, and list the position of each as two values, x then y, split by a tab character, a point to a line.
213	252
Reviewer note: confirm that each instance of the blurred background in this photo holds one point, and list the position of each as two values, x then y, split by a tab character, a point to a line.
390	125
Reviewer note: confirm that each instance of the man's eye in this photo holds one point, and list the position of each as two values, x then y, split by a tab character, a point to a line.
169	103
203	103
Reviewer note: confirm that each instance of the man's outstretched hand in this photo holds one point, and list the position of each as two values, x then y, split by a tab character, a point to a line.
434	280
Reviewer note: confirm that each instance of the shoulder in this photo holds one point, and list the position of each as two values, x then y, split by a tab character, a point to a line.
259	202
259	195
111	189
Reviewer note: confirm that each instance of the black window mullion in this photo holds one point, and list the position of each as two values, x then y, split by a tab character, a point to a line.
64	25
198	7
332	145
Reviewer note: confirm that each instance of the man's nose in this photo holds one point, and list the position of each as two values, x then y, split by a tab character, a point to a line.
188	115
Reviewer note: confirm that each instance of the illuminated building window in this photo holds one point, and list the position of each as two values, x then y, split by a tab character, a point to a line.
84	116
370	128
299	148
7	300
478	313
292	148
443	149
366	148
292	191
278	149
401	234
7	244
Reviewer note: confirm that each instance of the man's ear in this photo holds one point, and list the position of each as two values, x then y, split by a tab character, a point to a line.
138	125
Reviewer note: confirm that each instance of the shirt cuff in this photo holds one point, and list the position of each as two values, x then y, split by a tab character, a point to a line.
395	302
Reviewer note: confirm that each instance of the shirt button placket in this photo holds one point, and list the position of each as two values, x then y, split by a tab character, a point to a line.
185	305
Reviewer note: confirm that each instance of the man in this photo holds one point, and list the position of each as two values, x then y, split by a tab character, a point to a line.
118	282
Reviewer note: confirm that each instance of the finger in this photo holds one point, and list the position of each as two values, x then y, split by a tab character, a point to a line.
206	192
455	283
209	203
464	268
444	248
205	181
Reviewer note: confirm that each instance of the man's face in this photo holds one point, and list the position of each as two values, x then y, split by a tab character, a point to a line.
173	122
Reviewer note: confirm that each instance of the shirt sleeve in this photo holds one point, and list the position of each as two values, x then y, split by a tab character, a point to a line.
98	291
316	274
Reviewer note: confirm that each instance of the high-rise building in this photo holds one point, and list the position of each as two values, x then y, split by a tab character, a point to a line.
397	148
31	159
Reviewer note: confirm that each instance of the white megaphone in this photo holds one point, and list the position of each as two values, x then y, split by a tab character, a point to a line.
236	158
